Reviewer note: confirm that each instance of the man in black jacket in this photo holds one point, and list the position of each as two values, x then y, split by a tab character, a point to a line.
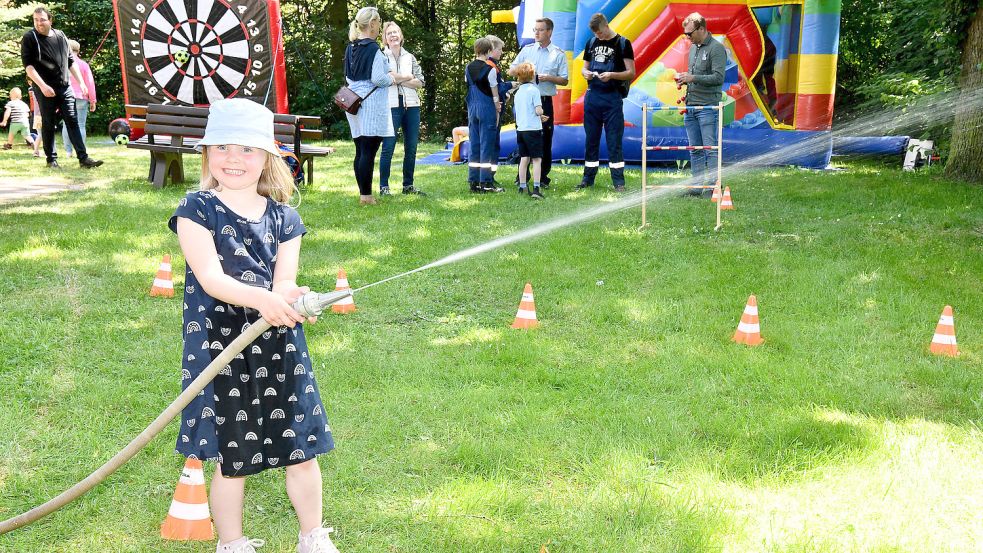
47	60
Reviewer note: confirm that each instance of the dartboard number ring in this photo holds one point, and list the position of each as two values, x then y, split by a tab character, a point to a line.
224	55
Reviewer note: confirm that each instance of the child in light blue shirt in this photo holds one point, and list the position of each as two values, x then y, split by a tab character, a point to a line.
529	120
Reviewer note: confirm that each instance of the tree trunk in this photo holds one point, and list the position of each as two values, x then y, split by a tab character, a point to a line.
966	153
336	18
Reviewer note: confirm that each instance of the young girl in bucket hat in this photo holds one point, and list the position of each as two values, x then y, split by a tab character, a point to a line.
242	246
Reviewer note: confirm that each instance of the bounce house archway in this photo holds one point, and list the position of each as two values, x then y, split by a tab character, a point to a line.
779	79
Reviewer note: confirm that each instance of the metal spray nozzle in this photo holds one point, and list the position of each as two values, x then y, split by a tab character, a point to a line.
312	304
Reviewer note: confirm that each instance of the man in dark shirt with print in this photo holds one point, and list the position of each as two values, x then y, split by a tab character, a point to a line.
48	61
609	66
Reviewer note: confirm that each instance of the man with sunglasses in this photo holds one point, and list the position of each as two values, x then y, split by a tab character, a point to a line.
704	81
550	62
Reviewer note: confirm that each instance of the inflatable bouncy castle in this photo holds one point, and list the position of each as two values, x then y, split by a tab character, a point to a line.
778	86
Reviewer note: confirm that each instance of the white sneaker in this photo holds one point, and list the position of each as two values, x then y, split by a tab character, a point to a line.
319	541
242	545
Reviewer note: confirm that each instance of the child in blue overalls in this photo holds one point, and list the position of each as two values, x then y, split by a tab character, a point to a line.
484	105
609	65
505	87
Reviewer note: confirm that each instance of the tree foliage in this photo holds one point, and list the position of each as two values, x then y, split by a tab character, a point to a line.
12	28
893	51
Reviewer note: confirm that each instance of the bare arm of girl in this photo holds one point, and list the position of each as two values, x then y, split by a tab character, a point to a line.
285	274
199	251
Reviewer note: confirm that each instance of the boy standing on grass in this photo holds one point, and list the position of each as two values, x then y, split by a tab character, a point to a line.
483	109
505	87
17	114
529	121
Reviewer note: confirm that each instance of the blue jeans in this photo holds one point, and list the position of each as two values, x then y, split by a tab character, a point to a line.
81	113
701	128
408	119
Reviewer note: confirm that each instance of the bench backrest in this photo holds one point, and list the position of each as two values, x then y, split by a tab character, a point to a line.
185	125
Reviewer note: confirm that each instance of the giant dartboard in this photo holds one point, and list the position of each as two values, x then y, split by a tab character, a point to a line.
194	52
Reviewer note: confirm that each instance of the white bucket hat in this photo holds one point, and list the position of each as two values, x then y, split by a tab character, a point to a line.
239	121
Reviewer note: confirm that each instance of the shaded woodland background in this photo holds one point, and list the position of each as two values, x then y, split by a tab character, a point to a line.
891	52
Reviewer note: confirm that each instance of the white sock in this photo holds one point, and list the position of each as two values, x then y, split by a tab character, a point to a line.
232	544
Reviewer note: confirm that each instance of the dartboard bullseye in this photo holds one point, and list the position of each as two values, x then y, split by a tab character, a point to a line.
213	37
195	52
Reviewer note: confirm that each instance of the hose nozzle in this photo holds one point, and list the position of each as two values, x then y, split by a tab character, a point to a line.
312	304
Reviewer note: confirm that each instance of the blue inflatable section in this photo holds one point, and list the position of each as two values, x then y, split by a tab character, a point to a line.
869	145
610	9
803	148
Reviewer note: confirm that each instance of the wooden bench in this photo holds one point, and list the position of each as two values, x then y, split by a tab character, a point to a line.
172	131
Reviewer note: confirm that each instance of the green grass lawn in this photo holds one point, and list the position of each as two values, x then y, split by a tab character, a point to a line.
627	422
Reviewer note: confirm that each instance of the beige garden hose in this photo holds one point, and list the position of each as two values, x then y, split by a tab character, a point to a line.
309	305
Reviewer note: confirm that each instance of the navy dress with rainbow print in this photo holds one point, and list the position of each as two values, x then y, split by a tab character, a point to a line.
263	410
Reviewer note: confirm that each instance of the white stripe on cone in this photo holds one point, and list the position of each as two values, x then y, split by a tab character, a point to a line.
751	310
189	511
345	301
525	314
342	284
159	283
944	339
749	328
946	320
193	477
165	266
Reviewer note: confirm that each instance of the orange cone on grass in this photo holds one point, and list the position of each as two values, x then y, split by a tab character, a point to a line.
346	305
944	341
727	202
749	329
525	317
716	194
188	519
163	284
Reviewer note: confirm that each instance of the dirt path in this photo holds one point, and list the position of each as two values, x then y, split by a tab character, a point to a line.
14	189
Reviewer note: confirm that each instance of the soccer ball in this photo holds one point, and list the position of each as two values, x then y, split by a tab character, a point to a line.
120	130
182	57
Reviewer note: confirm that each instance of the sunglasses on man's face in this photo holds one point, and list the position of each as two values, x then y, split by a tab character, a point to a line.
689	34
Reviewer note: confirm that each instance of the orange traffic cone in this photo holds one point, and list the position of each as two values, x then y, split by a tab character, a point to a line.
944	341
526	316
346	305
727	202
163	285
749	330
188	518
716	194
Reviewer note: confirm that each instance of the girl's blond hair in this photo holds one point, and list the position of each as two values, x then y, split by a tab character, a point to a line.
363	19
275	181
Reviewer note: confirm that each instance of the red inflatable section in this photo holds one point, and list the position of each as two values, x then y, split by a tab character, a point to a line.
279	55
735	21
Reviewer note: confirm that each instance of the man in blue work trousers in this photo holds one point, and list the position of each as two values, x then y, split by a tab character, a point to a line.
609	67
